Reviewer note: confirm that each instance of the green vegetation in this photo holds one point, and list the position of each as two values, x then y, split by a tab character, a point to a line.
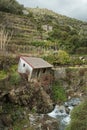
3	74
20	125
81	50
61	57
6	62
15	78
8	66
58	58
13	68
42	28
79	118
16	114
38	43
68	38
59	94
11	6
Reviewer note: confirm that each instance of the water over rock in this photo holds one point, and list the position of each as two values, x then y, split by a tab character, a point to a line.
61	114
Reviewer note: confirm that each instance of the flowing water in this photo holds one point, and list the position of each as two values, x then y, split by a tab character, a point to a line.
62	113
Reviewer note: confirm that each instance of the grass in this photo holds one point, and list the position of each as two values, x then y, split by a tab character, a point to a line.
15	78
13	68
3	74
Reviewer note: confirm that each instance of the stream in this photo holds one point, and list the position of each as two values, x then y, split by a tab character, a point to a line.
62	113
58	119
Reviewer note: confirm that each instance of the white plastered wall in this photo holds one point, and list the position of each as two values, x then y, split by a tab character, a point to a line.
23	69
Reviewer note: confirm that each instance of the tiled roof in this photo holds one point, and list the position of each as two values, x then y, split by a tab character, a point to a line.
36	62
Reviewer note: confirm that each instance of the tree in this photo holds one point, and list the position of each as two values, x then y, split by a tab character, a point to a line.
72	43
83	42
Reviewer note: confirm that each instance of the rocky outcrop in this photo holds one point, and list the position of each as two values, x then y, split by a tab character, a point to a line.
32	121
29	96
17	102
34	99
43	122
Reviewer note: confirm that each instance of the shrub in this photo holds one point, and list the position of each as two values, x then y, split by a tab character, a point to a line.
50	58
13	68
38	43
59	58
58	92
63	57
79	117
81	50
77	61
15	79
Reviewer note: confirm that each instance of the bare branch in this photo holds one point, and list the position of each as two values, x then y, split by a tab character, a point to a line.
5	38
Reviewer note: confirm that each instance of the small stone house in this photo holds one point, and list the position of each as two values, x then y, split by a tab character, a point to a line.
33	67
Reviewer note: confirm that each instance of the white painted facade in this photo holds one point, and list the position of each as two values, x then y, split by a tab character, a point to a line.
33	67
24	67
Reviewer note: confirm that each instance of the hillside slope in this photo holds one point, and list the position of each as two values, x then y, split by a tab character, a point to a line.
44	25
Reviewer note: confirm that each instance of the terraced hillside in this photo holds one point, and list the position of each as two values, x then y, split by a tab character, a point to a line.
41	25
22	27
